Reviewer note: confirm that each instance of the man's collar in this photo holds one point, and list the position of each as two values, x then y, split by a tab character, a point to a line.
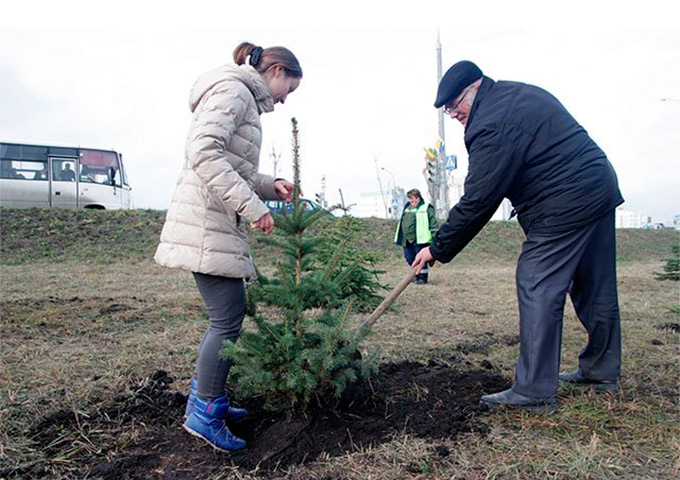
487	83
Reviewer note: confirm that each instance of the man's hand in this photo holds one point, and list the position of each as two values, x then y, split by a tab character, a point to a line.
423	258
284	190
265	224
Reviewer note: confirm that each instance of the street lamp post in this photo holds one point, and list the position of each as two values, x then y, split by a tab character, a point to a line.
442	185
394	182
393	190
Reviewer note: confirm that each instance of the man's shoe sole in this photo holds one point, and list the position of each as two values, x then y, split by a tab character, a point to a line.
600	387
543	408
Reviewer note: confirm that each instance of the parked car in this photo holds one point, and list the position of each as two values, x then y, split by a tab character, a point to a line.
283	208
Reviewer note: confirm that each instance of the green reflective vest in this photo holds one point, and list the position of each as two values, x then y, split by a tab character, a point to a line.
423	232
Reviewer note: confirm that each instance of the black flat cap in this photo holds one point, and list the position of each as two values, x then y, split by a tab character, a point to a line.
454	81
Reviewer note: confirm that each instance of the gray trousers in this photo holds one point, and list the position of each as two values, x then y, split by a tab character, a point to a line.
581	262
225	303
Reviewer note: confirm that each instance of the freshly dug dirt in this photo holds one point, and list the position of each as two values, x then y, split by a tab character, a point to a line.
434	401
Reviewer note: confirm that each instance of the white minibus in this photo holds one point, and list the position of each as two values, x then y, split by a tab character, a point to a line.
62	177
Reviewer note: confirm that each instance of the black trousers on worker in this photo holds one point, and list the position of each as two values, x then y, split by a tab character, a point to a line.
581	262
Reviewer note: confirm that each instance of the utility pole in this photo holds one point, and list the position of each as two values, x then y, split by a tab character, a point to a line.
275	161
442	184
322	197
382	192
392	193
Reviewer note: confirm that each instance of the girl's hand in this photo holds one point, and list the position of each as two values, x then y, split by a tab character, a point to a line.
265	224
284	189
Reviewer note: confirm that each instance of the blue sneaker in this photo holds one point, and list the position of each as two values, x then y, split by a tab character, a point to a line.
191	399
206	421
234	414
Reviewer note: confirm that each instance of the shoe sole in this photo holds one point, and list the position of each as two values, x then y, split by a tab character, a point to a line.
198	435
600	387
545	408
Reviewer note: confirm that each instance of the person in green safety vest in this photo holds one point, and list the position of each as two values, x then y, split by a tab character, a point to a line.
415	230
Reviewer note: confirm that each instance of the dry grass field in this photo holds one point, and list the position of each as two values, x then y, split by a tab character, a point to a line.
88	325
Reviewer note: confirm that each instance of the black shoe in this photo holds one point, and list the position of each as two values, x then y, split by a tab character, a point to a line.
512	399
576	378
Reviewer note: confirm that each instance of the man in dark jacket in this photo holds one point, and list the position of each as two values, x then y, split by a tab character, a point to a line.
523	145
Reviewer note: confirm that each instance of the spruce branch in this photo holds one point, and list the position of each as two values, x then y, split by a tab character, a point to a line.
334	263
344	275
346	312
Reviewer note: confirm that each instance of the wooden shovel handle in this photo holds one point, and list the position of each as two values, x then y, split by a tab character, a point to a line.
396	291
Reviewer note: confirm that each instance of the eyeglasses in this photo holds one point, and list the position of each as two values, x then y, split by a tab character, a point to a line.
448	109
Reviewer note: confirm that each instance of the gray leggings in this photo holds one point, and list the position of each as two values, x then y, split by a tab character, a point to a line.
225	302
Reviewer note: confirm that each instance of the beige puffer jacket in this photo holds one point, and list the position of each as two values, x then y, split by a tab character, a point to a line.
219	190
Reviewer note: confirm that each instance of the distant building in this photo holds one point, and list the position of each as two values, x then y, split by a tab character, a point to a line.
504	211
629	219
673	222
371	204
389	204
457	189
397	202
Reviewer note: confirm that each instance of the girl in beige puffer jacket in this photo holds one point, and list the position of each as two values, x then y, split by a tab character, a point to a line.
218	191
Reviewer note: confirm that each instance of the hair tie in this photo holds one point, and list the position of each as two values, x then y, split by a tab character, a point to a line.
255	55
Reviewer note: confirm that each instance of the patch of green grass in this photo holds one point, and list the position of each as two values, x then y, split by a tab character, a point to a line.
634	245
107	237
88	236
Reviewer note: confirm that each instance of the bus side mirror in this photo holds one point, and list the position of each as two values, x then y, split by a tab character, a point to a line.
112	176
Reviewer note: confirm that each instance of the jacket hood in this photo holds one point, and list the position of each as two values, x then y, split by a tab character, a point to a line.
244	74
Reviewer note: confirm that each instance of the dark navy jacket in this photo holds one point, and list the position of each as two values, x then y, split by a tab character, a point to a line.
524	145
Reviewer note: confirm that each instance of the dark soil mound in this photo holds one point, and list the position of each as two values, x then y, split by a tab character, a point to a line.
435	401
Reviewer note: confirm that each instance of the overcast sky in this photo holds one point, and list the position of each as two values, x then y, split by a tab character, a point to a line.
118	76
